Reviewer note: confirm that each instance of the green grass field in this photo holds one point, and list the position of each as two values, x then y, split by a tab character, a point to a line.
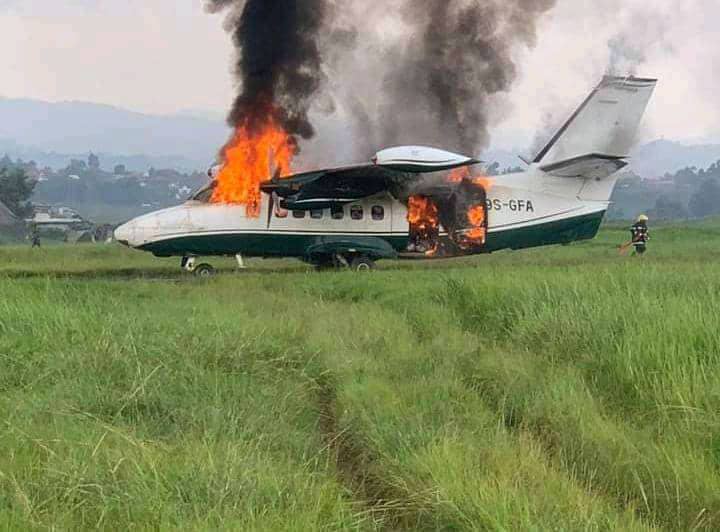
565	388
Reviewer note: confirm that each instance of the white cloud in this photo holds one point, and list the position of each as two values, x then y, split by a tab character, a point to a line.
157	56
677	40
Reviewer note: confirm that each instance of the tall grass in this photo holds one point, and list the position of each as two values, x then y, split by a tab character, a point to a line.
564	388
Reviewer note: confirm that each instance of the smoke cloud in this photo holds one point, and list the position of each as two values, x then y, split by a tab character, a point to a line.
459	57
279	66
431	72
398	72
628	35
638	32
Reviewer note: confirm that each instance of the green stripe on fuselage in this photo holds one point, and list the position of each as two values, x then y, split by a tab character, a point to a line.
584	227
278	244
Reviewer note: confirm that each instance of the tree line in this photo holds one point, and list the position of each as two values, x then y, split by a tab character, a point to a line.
688	193
16	188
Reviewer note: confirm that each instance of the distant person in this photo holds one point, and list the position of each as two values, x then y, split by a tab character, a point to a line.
35	237
640	235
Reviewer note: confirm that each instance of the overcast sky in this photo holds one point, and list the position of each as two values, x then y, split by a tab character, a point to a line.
164	56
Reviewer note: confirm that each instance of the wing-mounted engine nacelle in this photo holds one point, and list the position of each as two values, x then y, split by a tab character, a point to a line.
421	159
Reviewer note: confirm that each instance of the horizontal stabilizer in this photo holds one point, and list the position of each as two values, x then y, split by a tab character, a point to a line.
593	166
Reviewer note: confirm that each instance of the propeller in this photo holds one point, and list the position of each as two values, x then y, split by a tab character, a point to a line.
271	207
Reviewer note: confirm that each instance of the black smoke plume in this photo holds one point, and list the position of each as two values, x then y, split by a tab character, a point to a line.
458	57
279	67
404	71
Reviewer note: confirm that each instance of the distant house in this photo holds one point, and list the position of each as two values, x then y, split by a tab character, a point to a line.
7	218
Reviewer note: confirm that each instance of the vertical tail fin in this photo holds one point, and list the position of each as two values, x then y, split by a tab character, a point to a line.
606	123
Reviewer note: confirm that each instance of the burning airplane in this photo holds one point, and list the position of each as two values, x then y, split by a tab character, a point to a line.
410	200
387	208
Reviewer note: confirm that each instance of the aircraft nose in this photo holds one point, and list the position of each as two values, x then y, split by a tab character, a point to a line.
125	234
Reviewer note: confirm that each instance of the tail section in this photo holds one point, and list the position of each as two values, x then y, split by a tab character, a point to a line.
605	125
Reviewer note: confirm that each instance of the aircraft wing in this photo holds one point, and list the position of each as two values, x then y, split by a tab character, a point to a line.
321	189
593	166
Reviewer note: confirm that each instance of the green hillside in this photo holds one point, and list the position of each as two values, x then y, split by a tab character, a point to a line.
566	388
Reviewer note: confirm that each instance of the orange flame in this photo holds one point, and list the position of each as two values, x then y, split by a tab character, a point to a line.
422	213
459	174
424	219
250	158
476	216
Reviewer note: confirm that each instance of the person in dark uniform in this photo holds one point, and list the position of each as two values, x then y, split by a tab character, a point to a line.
640	235
35	237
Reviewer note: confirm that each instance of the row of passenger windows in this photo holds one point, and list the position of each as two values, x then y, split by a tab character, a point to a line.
377	213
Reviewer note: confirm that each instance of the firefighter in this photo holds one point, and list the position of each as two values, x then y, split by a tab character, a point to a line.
640	235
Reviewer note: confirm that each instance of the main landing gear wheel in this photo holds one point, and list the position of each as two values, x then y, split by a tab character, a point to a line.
204	271
362	264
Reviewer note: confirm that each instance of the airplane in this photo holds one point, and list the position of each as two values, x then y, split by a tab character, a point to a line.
393	207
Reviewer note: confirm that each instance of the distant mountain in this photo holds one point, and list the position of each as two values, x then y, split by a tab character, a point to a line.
49	129
108	161
650	160
663	156
53	133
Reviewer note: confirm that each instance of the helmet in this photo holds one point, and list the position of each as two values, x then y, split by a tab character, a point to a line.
642	218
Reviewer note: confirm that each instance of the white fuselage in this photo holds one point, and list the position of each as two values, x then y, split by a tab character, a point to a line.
515	201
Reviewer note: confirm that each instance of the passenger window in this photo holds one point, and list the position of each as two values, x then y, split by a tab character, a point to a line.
316	214
337	212
356	212
378	213
299	214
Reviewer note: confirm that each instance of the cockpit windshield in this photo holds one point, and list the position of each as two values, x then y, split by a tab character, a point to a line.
204	195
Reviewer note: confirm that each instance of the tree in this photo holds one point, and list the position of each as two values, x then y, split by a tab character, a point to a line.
15	191
76	166
512	170
669	209
493	169
706	200
686	176
93	162
120	169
